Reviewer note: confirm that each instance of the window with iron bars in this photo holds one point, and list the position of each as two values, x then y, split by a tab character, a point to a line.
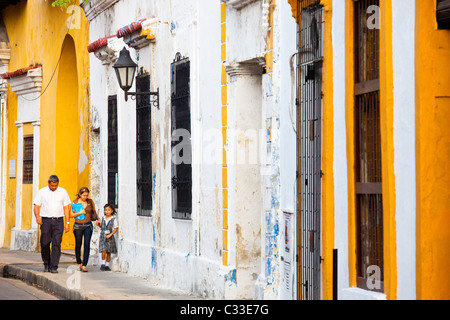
113	164
28	160
181	142
143	147
443	14
368	177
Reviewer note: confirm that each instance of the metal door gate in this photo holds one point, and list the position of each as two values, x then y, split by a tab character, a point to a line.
309	115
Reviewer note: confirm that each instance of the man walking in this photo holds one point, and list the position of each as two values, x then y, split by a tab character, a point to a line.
51	205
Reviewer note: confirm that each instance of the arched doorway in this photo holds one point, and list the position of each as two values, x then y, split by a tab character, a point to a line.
67	127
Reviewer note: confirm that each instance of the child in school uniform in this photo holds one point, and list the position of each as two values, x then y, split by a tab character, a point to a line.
107	243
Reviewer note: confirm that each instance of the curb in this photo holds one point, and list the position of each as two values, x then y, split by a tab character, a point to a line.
44	283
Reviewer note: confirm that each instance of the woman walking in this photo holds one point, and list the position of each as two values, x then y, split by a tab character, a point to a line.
83	226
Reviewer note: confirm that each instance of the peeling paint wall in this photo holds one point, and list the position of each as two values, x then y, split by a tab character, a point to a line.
180	254
217	255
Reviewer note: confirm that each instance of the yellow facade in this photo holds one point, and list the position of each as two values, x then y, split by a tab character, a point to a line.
327	159
224	108
432	65
56	39
432	154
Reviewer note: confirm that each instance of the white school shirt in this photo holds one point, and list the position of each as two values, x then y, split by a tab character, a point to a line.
52	203
107	220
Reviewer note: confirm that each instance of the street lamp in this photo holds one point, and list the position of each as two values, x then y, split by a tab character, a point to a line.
125	69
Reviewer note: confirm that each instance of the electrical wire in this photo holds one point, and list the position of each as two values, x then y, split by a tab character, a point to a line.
293	83
57	64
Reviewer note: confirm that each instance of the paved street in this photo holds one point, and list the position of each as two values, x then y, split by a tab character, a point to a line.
74	285
12	289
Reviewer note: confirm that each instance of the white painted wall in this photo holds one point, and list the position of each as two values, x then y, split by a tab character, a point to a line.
340	144
187	255
180	254
403	46
288	152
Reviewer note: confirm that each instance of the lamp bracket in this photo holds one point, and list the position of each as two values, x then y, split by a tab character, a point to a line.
154	100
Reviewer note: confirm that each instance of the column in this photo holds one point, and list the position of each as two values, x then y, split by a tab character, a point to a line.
245	204
36	148
4	64
16	231
19	176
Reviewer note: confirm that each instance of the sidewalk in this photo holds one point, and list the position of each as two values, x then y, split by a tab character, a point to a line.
71	284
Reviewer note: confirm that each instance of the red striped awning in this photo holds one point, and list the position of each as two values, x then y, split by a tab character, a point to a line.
129	29
100	43
17	73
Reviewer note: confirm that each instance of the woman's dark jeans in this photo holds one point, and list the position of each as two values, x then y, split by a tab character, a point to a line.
80	231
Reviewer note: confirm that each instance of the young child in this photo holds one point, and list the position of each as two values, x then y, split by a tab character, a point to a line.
107	241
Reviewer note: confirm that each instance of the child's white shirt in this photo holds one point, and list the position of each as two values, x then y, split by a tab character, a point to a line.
116	225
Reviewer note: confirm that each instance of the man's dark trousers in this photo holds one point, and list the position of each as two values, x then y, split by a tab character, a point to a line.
51	232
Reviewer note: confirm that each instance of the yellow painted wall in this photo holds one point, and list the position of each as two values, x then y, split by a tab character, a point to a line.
387	150
432	151
432	155
350	129
37	32
327	158
10	214
67	113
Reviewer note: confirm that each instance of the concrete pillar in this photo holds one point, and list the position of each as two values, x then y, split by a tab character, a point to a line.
245	196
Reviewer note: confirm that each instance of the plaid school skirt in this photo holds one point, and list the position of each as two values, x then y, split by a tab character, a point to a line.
108	245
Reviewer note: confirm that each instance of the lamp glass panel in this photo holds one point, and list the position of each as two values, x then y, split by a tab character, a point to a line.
130	78
121	77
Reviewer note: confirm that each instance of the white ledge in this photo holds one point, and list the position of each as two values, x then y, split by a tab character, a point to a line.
109	53
238	4
27	83
249	67
360	294
144	36
93	8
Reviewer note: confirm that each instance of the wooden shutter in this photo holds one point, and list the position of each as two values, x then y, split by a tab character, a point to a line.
143	147
28	160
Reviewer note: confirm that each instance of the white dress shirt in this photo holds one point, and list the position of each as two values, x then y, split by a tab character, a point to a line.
52	203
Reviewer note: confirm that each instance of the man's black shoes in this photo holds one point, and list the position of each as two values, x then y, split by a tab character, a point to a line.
47	269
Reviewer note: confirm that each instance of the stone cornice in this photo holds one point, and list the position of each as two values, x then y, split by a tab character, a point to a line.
250	67
27	83
110	53
143	36
238	4
93	8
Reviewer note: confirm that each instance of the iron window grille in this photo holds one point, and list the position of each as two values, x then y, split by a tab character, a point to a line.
113	164
181	122
143	146
28	160
309	115
368	177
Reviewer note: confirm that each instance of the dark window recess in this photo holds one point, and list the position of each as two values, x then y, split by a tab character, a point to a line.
443	14
113	164
143	147
368	179
181	143
28	160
